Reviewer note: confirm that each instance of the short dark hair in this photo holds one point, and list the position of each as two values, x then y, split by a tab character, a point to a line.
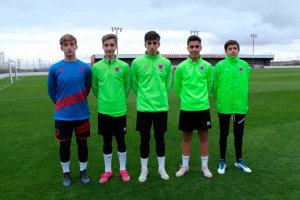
231	42
193	38
110	36
151	35
67	37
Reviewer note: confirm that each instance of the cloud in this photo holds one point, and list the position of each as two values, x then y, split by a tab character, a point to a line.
275	23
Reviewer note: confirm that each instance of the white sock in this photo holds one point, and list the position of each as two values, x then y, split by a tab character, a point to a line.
65	166
185	161
122	160
204	160
161	162
82	166
107	162
144	163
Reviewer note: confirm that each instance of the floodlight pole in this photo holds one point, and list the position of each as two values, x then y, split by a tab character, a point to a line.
117	29
253	36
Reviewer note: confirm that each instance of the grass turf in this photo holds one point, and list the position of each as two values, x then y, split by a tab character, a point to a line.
30	167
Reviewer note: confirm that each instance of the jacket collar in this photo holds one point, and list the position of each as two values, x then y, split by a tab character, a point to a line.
109	61
232	59
152	57
191	61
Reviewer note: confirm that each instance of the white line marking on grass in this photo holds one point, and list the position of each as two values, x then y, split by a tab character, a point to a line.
6	86
29	98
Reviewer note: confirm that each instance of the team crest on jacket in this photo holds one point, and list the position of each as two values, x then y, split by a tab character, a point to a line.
160	66
201	68
241	69
81	69
117	69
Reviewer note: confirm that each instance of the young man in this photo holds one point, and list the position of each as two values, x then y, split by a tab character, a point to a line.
151	82
230	90
69	83
111	85
192	82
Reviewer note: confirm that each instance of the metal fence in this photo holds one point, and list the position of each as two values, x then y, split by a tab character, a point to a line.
24	65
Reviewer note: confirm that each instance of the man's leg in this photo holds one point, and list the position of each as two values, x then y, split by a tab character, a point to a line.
203	139
64	154
144	153
83	158
238	130
120	138
82	131
186	150
224	122
63	133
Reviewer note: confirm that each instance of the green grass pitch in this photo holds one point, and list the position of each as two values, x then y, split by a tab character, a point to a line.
30	167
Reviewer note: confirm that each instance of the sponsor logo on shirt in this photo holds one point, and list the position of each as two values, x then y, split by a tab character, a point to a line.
201	68
62	69
241	69
160	66
117	69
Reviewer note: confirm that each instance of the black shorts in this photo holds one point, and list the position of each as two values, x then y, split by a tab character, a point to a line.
64	129
194	120
144	121
111	125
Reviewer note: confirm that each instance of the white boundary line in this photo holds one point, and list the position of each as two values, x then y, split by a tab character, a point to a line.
30	98
6	86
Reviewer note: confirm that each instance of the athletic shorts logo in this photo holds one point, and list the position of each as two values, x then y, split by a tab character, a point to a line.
124	129
208	123
241	69
201	68
117	69
160	66
56	132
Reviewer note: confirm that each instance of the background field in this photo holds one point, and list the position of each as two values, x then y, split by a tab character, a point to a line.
30	167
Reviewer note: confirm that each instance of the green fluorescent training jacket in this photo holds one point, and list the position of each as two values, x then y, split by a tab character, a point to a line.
192	81
151	82
230	86
111	85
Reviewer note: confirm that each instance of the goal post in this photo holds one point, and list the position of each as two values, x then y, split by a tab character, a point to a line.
12	66
2	65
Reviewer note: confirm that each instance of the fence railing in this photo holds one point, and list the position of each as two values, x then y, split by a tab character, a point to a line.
25	65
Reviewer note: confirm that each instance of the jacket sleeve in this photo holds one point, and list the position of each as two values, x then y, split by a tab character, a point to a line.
95	81
209	78
52	85
169	77
134	77
177	81
127	80
215	81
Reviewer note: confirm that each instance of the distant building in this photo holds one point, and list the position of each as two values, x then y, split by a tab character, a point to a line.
257	60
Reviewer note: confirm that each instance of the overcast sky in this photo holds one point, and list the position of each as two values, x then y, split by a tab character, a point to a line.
32	28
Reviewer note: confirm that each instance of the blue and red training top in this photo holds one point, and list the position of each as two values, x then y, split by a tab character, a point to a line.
69	84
